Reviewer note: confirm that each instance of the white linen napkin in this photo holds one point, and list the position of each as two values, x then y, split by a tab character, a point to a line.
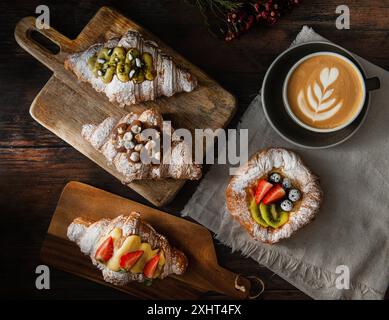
352	227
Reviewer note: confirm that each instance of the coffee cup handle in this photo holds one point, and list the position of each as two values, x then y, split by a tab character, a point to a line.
373	83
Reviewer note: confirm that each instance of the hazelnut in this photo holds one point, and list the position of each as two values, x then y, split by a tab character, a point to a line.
129	145
128	136
136	129
139	138
121	128
137	123
136	126
138	147
134	156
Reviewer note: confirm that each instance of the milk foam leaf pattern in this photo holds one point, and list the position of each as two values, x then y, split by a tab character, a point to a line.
317	90
328	76
327	94
326	105
311	99
318	107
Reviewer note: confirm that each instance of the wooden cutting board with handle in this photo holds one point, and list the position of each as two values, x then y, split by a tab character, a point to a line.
203	275
65	104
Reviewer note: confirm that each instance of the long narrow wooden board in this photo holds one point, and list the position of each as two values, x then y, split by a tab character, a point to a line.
65	104
203	275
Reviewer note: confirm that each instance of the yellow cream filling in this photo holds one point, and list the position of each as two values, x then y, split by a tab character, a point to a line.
130	244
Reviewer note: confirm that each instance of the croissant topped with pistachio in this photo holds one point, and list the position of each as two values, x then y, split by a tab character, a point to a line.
130	70
126	65
127	249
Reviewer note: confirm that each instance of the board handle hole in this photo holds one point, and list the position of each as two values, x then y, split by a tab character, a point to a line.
44	42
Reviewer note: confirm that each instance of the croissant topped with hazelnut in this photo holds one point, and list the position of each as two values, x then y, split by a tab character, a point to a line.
123	142
127	249
130	70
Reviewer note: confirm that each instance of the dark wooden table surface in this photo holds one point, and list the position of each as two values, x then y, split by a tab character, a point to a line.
35	165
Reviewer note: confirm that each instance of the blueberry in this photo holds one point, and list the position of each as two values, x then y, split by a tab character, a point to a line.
286	183
275	177
286	205
294	195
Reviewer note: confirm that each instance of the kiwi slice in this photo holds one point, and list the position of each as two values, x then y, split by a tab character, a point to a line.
272	216
256	214
274	212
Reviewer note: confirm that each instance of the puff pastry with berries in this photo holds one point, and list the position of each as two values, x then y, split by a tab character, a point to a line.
273	195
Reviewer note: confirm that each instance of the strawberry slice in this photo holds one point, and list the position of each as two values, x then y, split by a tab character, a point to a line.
262	188
276	193
151	266
105	251
128	260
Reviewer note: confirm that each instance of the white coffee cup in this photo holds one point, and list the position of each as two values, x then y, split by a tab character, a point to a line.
306	126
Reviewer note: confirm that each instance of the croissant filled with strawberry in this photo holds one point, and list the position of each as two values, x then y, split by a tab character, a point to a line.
127	249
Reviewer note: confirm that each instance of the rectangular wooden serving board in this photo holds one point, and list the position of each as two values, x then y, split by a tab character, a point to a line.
65	104
203	275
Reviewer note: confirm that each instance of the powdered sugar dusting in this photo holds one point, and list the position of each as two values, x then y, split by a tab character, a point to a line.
86	236
151	117
89	236
180	165
98	135
257	167
169	80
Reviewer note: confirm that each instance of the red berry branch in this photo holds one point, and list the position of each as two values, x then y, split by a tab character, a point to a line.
235	18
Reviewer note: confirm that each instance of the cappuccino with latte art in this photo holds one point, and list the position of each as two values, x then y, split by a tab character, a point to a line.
324	92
